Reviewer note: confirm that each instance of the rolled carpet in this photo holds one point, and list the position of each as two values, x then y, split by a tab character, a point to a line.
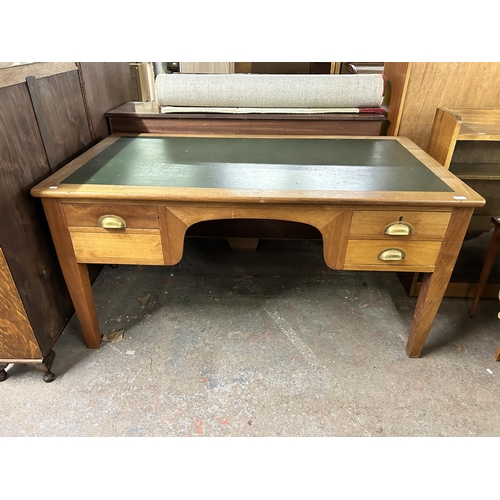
270	91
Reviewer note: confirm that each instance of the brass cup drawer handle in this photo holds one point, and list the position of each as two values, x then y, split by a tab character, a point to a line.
398	228
110	221
391	254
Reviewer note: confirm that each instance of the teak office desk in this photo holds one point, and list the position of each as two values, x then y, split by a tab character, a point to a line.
380	204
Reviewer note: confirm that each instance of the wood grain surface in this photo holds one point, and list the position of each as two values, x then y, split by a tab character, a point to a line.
24	234
419	254
76	275
87	215
477	115
397	75
105	86
17	74
424	224
60	110
118	247
434	284
444	133
248	125
17	339
451	85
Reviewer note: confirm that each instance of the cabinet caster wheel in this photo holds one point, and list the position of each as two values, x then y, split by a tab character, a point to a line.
48	377
3	375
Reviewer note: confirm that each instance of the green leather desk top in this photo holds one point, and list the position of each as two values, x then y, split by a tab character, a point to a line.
267	164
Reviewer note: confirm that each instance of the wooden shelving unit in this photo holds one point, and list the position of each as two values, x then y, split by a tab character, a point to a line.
451	126
467	142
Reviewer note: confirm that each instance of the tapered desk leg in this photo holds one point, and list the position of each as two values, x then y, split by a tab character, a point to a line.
76	275
434	284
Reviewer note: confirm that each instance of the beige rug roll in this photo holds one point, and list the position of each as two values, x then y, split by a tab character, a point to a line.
270	91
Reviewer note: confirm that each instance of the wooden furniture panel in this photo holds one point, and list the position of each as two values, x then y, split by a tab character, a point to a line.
118	247
416	255
135	81
60	112
24	235
88	215
285	67
17	339
207	67
43	124
138	117
105	86
142	82
418	88
477	171
423	224
14	75
396	78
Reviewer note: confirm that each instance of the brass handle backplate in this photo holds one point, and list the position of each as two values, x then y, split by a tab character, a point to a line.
398	228
391	254
111	222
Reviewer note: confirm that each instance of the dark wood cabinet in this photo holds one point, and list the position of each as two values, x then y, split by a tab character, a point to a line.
51	113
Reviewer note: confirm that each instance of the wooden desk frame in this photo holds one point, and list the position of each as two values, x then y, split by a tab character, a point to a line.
331	212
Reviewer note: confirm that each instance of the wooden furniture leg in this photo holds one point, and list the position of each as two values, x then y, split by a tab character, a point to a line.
488	263
76	275
243	244
45	367
434	284
3	373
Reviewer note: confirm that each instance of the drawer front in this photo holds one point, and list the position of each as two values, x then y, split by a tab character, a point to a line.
118	247
88	215
417	255
423	224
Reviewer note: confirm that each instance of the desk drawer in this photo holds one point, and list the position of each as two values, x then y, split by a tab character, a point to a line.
108	233
423	224
414	255
119	247
88	215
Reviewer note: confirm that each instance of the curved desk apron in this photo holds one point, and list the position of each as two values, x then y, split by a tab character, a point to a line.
380	204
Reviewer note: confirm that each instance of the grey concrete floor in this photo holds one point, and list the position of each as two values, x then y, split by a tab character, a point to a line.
265	343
